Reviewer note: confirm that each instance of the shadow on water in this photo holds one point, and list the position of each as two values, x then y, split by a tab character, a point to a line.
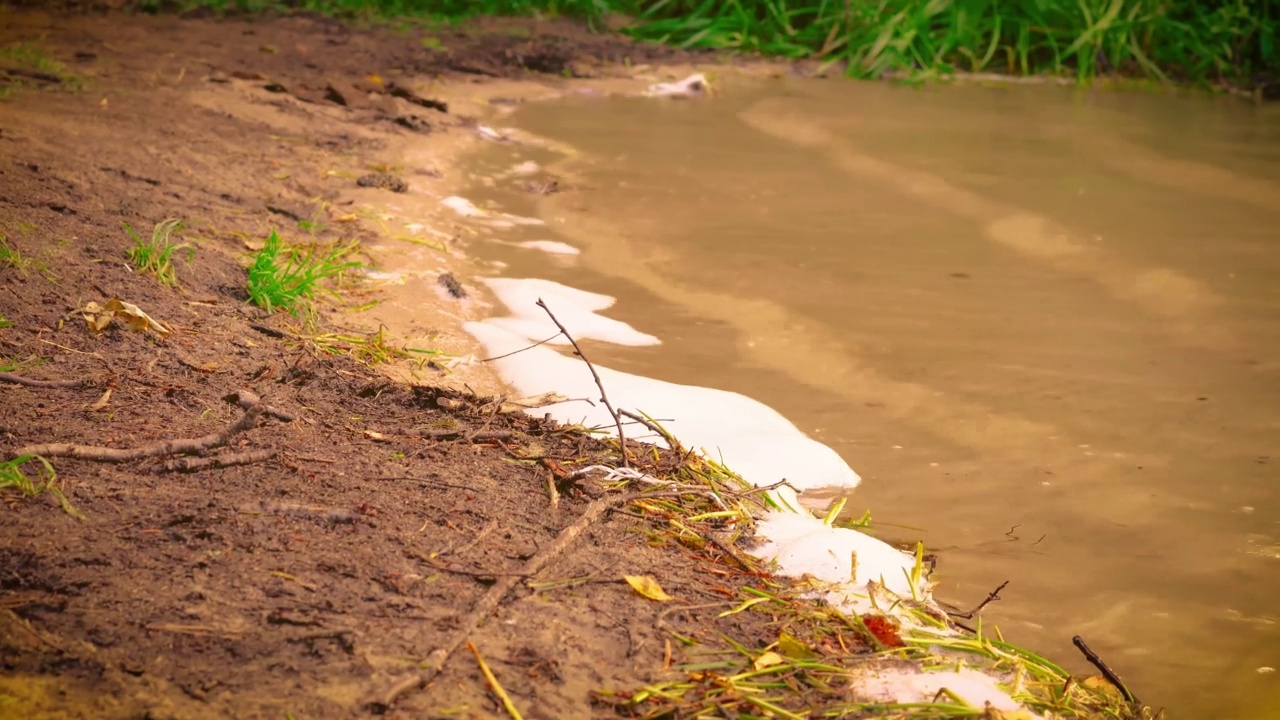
1042	324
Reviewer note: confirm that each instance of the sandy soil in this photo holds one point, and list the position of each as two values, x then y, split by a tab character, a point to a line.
373	515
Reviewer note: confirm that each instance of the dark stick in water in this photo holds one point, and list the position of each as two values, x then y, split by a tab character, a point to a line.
1106	671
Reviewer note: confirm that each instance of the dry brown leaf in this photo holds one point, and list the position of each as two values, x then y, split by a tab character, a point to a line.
134	318
647	587
102	401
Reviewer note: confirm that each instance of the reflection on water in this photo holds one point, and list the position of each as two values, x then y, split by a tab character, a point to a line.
1041	324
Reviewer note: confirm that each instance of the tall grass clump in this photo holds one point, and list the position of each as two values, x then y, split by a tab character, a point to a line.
288	279
1215	41
13	478
1224	42
155	256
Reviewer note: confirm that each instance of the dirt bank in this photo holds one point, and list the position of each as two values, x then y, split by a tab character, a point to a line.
370	517
259	521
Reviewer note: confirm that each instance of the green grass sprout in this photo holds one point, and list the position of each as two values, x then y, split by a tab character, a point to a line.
12	478
155	257
288	279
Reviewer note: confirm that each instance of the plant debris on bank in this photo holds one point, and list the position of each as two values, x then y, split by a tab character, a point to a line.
209	512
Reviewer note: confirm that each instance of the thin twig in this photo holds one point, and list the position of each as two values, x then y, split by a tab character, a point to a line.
186	464
167	447
32	382
454	433
516	352
991	597
471	436
604	397
428	561
484	532
1103	668
494	596
509	706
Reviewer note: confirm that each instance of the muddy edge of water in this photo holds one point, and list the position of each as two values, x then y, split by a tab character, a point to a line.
1175	311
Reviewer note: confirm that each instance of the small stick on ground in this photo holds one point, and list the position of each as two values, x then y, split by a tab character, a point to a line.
454	433
32	382
484	532
220	461
991	597
183	446
494	596
1103	668
509	706
471	436
604	397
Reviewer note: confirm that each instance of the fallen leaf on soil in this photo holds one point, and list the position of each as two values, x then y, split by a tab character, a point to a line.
793	648
768	659
647	587
102	401
133	318
374	435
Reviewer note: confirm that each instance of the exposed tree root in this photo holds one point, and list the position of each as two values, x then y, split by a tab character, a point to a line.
187	464
183	446
32	382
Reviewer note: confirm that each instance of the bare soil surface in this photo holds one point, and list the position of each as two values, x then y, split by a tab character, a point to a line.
370	517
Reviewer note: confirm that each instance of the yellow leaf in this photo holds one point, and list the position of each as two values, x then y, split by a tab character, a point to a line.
349	217
793	648
768	659
647	587
374	79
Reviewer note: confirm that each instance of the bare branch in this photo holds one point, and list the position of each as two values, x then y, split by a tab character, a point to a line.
604	397
32	382
183	446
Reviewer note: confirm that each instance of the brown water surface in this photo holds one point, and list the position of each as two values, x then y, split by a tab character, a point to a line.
1042	324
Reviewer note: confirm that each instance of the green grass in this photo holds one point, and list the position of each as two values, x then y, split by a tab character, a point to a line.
1182	39
27	56
155	256
10	256
1211	42
287	279
12	478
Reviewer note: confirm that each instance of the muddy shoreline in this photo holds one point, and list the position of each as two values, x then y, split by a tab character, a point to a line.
309	581
312	560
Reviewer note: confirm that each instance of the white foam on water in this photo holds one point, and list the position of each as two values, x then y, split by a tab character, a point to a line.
751	438
552	247
576	309
527	167
385	276
468	209
804	545
462	206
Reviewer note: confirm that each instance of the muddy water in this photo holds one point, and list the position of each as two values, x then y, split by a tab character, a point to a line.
1042	324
